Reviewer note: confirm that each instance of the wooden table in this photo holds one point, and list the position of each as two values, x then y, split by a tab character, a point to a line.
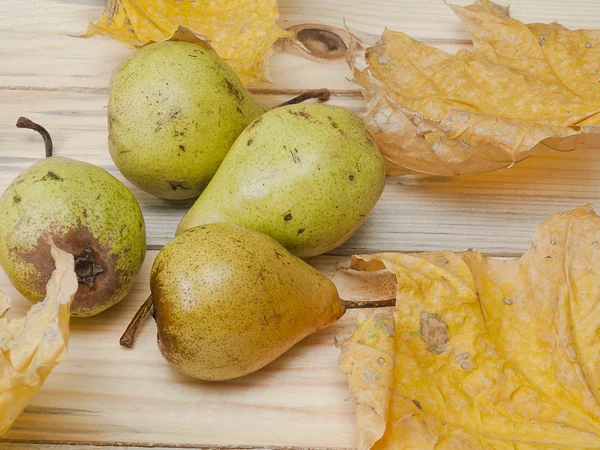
106	396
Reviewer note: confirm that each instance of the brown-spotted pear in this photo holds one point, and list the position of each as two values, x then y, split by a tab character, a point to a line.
88	213
174	110
228	300
307	175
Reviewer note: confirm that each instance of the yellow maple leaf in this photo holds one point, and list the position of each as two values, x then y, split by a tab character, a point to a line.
525	89
31	346
241	31
487	354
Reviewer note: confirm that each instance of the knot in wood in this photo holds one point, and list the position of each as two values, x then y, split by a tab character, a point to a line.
322	43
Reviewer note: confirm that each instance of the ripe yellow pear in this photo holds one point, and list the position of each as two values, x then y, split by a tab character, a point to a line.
228	300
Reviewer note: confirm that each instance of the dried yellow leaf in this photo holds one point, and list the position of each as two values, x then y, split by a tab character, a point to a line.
525	89
488	354
31	346
241	31
372	341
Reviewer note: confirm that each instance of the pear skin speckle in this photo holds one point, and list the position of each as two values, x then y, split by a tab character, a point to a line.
174	110
229	300
80	206
307	175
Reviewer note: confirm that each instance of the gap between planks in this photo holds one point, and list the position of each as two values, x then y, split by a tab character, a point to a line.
17	444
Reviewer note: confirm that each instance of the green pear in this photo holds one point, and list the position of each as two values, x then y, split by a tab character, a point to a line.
174	110
88	213
228	300
306	175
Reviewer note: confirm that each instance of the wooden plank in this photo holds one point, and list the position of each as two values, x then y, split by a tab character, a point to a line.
108	445
16	445
495	213
38	52
104	392
105	396
44	445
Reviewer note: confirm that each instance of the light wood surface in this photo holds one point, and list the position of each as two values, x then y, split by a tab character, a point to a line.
104	396
106	446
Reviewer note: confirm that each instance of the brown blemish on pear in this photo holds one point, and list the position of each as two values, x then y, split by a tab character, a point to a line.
91	294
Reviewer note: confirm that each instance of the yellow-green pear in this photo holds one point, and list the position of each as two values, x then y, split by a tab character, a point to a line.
307	175
174	110
228	300
86	212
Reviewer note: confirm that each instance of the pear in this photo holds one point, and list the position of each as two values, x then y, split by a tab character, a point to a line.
88	213
307	175
228	300
174	110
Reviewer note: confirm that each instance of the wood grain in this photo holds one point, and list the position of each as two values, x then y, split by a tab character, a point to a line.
106	445
107	397
495	213
37	50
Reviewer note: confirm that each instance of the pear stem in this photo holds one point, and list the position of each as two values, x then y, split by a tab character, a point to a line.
321	94
350	304
129	335
24	122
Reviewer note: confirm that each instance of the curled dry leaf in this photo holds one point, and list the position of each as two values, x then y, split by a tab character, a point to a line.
31	346
241	31
525	89
487	354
